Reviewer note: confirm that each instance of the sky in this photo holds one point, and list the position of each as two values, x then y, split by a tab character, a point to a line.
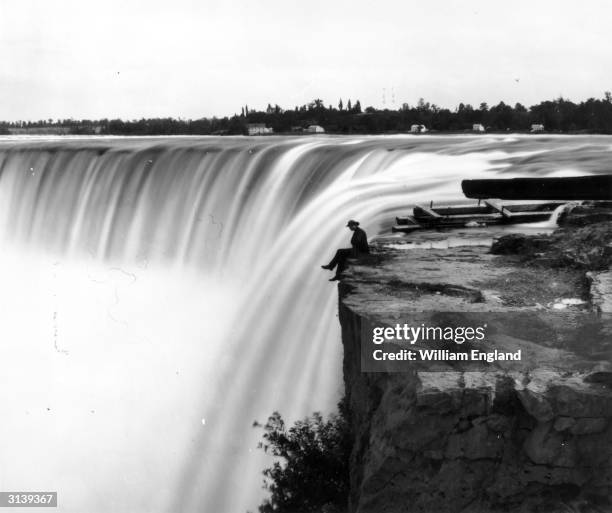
198	58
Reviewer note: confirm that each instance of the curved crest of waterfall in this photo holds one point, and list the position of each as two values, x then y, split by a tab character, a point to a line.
159	295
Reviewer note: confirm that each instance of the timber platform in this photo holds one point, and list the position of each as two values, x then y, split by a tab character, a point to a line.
483	213
544	196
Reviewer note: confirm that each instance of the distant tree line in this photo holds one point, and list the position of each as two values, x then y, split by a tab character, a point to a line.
559	115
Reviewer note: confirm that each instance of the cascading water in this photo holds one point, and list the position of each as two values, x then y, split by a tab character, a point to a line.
161	294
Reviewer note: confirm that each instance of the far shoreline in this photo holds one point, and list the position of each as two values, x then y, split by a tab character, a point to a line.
330	135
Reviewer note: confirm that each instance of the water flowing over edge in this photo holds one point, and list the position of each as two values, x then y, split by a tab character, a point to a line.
252	219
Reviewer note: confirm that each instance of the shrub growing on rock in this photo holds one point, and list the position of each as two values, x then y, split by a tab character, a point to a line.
311	471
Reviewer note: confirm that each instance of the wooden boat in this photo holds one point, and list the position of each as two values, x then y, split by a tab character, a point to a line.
482	213
571	188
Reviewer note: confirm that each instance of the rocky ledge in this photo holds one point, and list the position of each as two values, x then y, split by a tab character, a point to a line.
535	435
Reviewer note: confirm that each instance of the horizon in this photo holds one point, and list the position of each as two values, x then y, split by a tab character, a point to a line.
326	105
192	60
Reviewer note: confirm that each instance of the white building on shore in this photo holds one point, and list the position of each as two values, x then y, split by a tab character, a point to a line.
259	129
418	129
315	129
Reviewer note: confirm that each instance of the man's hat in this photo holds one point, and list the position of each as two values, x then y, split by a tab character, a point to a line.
352	222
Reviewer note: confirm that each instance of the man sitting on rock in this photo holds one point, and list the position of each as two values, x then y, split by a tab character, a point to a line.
359	243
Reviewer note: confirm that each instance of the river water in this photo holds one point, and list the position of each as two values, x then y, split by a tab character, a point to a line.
158	295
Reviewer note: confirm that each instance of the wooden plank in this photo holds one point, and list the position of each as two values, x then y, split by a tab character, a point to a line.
524	217
428	211
590	187
498	208
407	220
537	207
468	217
449	210
406	228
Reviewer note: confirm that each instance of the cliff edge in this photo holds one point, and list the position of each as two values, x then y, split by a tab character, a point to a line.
533	435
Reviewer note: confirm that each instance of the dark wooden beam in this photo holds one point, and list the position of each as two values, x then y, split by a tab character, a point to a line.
592	187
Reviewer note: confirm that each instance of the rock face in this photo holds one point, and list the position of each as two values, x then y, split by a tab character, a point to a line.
532	437
601	291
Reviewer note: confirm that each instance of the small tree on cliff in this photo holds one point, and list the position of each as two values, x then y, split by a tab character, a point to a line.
311	474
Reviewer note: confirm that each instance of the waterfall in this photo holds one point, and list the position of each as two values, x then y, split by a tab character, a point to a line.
164	293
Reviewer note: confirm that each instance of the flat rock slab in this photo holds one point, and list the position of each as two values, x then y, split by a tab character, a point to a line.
466	279
535	309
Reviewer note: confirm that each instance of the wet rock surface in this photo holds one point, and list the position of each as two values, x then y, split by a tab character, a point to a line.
585	247
586	214
532	436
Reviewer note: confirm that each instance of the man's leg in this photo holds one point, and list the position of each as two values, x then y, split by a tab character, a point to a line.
338	260
343	255
342	265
